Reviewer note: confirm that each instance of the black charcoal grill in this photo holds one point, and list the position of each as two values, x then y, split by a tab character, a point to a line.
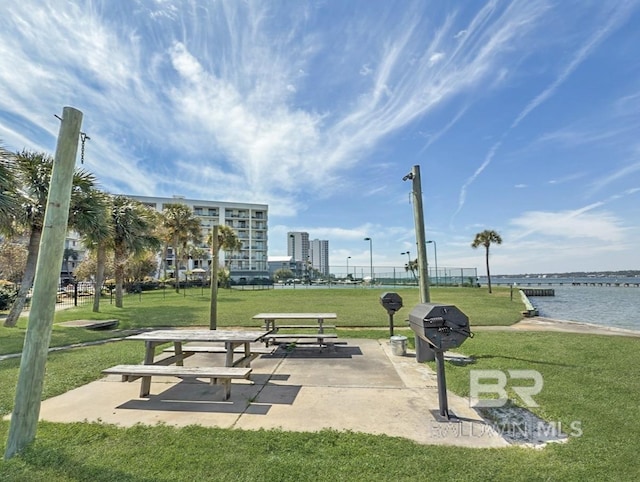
391	302
438	328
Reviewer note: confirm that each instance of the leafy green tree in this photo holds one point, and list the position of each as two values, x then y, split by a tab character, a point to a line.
87	268
486	238
13	259
133	227
141	265
283	274
224	277
182	226
33	175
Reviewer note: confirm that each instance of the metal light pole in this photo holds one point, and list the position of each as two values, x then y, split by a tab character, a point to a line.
370	257
347	275
435	255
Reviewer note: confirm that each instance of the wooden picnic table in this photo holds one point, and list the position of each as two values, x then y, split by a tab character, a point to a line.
270	319
231	339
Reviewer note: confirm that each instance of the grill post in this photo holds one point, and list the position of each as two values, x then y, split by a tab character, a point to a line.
442	384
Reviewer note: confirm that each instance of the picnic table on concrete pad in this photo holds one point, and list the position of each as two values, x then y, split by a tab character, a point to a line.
270	319
231	339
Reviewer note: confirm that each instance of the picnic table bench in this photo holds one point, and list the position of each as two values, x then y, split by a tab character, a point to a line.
188	350
235	341
270	319
222	375
276	336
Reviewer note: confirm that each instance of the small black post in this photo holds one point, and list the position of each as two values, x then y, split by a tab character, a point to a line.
75	292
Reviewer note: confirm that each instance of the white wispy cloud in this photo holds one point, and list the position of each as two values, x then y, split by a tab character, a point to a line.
588	222
621	173
581	223
485	163
224	89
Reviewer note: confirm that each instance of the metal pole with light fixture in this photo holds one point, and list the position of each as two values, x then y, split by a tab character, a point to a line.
347	275
418	215
435	256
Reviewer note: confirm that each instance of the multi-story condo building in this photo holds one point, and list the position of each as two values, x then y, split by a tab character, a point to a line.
249	222
298	245
320	256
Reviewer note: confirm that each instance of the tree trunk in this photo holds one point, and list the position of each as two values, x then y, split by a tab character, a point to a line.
100	262
488	273
164	262
119	275
176	267
27	279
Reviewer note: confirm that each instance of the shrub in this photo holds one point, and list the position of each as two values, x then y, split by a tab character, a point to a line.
7	296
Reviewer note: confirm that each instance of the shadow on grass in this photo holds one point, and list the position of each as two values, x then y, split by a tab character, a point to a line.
527	360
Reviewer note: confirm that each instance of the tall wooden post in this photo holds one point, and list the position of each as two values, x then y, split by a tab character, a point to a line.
213	314
26	410
418	214
424	351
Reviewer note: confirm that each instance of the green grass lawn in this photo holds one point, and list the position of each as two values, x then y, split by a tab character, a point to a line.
357	307
593	380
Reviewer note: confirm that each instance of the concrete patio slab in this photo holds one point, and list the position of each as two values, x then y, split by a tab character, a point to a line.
359	386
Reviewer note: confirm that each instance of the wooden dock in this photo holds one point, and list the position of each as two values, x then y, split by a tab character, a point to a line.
538	291
616	284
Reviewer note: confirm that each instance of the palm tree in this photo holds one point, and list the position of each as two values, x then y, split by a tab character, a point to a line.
8	190
33	174
182	226
133	231
228	241
485	238
97	232
412	266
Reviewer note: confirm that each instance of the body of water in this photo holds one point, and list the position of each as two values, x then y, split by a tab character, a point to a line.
589	300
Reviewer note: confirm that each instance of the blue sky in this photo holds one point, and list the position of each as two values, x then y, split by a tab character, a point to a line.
523	117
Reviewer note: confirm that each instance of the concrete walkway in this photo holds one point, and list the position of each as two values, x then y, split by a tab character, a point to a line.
540	323
360	386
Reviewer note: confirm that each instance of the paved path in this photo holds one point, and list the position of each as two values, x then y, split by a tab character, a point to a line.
539	323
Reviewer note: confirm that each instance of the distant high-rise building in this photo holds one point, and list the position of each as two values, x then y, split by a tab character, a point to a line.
320	256
298	245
